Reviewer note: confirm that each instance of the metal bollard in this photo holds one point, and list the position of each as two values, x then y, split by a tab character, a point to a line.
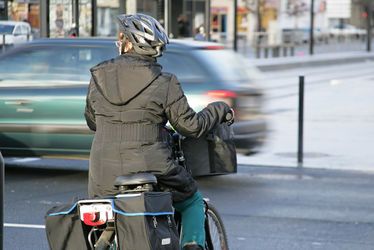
266	52
276	51
301	121
258	52
2	180
285	51
3	46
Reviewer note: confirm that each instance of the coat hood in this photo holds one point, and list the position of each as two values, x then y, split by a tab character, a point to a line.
121	79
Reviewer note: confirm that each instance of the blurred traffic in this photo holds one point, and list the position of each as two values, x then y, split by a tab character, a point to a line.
44	84
12	33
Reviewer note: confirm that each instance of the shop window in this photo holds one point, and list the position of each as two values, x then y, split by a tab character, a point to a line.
85	18
218	23
242	22
107	12
26	11
148	7
194	10
60	17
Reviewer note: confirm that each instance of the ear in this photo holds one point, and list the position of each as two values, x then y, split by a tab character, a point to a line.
121	35
128	46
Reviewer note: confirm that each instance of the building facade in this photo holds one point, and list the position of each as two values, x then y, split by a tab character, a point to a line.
60	18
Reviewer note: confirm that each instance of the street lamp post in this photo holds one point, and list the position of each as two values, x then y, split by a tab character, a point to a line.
235	25
167	16
207	19
76	15
369	11
311	34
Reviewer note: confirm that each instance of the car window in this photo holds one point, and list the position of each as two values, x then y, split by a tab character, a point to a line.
227	65
6	29
53	63
24	30
184	66
17	30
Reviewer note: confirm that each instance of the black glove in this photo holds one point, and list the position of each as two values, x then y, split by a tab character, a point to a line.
230	116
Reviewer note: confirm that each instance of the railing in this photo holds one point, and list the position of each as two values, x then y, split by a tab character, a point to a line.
266	45
3	42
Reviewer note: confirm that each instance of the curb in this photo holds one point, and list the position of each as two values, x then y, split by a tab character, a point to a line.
278	64
300	170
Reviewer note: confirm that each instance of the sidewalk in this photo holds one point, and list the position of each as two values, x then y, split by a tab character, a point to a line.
338	114
336	58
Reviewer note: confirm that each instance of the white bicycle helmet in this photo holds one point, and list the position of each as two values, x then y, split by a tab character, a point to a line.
145	33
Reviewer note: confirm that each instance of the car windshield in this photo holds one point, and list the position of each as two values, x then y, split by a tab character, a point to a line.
57	63
6	29
229	66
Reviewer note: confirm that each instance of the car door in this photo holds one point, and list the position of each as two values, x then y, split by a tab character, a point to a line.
42	99
17	34
25	33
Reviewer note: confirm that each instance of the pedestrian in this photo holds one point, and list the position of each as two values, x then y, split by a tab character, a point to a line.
183	26
200	33
73	32
129	102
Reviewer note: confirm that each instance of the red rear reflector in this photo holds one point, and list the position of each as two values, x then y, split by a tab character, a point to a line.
222	94
93	219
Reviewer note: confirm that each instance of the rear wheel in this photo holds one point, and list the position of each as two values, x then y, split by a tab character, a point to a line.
216	238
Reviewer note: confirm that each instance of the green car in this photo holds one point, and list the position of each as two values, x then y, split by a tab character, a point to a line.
43	86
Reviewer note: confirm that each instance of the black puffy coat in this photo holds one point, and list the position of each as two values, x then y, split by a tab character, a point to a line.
128	103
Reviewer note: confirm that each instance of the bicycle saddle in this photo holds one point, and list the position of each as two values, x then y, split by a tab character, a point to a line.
135	179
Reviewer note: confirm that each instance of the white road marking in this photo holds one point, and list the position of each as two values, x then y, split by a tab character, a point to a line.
24	225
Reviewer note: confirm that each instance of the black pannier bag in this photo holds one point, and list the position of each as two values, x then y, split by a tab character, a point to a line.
143	221
65	230
146	222
211	154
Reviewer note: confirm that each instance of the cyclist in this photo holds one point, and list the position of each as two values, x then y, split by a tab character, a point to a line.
129	101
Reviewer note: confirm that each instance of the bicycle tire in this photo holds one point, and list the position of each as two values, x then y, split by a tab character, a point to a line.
216	238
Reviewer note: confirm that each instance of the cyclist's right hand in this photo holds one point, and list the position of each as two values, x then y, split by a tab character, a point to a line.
230	117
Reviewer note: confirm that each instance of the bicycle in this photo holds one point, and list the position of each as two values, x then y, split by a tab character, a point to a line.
99	214
102	234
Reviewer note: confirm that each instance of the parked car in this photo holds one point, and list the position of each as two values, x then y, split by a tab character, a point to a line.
302	35
43	86
346	30
14	32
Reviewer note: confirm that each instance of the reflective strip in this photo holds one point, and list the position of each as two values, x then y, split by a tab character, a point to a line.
139	214
116	211
64	212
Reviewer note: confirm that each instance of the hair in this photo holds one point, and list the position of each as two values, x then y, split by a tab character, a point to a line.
124	40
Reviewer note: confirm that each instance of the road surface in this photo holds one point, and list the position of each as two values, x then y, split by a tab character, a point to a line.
262	207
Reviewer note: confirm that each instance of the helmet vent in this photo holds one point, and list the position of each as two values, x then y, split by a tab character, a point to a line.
135	38
137	25
148	31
